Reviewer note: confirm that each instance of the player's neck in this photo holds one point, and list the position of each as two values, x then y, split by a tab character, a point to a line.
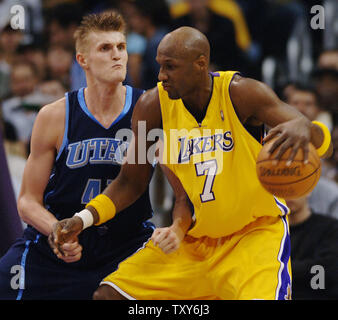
197	103
102	98
300	216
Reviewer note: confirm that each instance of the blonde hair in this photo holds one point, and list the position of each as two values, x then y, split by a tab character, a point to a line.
105	21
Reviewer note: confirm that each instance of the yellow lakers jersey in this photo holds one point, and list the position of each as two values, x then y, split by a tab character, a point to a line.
216	163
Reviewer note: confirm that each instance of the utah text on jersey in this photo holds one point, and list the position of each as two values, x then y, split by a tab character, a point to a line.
96	150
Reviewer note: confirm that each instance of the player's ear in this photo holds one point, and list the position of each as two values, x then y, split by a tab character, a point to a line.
82	60
202	62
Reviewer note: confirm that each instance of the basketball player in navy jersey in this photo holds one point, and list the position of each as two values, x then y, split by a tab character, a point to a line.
74	155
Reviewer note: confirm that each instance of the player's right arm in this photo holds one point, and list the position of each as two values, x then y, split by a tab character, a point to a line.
46	133
46	139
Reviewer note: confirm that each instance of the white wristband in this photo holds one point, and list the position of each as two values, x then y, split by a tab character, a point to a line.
87	218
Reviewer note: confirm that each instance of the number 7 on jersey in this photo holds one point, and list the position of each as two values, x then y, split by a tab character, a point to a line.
208	169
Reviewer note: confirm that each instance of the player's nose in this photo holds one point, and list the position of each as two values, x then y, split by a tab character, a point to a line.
162	76
115	54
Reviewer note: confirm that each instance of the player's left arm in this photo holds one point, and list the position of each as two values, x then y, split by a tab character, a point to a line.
169	238
255	102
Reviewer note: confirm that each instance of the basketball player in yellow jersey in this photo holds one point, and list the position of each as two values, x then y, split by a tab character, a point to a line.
229	238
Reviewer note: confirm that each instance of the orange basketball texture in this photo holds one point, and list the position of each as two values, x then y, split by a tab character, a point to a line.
288	182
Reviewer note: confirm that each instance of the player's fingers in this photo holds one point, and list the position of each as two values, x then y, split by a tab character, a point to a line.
160	235
165	242
157	239
278	144
271	134
58	253
70	246
293	153
53	246
67	233
169	248
306	151
72	258
71	250
57	241
282	149
155	235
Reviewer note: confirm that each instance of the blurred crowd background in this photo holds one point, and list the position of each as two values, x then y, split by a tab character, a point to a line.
275	41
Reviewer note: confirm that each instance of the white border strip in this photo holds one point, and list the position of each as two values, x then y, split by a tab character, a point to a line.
118	289
282	265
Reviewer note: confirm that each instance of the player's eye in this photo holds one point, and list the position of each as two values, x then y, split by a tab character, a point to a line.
167	66
121	46
104	47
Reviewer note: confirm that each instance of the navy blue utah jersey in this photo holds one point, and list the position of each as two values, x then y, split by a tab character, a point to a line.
88	160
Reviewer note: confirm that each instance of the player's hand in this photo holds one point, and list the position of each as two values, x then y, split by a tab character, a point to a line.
295	134
65	231
72	251
168	239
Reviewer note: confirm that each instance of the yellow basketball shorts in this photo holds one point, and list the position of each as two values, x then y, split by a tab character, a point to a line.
253	263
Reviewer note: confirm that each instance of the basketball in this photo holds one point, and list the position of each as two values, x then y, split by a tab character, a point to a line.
289	182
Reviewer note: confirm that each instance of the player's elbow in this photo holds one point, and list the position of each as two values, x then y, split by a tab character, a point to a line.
22	204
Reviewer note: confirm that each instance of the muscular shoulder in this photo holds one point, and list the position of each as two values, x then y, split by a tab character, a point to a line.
148	109
50	122
240	85
54	111
248	95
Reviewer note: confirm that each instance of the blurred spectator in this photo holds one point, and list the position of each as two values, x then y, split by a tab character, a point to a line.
227	8
59	62
136	45
225	53
53	88
305	98
152	20
35	54
325	77
9	42
324	198
231	10
271	24
314	242
21	108
331	168
62	21
328	59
